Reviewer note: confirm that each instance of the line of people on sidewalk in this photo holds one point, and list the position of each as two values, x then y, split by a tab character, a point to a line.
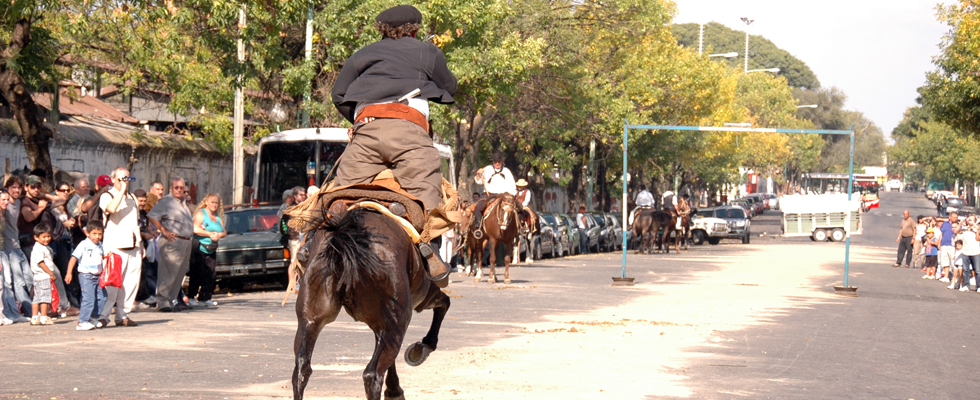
945	249
73	235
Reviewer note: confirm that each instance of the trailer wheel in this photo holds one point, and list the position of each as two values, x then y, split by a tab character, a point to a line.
837	235
820	235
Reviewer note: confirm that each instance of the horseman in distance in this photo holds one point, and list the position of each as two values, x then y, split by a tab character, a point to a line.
497	180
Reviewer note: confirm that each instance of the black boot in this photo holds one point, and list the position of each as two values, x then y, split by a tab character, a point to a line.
438	271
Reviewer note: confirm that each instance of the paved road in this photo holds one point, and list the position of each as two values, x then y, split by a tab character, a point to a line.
904	337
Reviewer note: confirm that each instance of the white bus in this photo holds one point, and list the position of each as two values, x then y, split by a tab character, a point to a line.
304	157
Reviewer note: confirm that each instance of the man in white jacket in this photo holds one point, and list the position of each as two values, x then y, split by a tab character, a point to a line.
497	180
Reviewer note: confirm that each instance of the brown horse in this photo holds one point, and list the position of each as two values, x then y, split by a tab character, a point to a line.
500	226
683	233
646	228
365	263
528	228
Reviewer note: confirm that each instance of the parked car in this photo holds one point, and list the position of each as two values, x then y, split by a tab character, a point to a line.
560	233
739	225
745	205
254	249
593	231
543	242
938	195
604	240
626	232
954	204
761	198
614	232
705	227
755	205
773	201
570	228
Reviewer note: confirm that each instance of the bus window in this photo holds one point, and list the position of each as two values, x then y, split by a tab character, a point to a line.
284	165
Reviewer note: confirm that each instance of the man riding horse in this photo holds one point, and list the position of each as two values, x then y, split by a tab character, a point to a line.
644	201
497	180
374	91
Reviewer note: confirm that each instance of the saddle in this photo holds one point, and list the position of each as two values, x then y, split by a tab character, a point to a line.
386	196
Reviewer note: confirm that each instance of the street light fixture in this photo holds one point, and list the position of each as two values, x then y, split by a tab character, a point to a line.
808	106
747	23
773	70
726	55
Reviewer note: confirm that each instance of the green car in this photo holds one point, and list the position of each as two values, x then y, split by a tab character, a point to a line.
253	251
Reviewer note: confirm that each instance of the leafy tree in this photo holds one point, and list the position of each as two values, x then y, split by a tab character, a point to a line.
951	91
762	52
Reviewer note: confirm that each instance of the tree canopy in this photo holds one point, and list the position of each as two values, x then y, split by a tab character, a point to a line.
952	91
762	52
539	80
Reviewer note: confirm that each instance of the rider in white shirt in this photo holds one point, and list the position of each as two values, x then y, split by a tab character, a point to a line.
670	202
497	180
644	200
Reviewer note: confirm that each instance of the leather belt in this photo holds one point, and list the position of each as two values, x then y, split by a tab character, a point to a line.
181	237
394	111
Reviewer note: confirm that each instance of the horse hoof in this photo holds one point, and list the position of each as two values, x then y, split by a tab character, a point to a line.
400	397
416	354
492	279
476	279
507	281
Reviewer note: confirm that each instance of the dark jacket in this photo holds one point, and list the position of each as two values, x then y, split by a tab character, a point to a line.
390	68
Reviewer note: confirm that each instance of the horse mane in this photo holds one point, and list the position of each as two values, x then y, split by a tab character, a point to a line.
345	251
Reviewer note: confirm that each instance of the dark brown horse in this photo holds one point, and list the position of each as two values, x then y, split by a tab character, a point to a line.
500	226
365	263
646	229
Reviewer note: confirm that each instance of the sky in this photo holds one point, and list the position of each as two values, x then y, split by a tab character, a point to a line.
876	51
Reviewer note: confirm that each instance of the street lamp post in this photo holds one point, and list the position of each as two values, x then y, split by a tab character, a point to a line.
726	55
773	70
807	106
747	23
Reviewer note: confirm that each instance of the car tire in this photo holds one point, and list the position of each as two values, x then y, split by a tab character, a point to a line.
699	237
820	235
714	240
838	235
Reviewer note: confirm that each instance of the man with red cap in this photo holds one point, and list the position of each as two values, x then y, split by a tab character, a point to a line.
384	89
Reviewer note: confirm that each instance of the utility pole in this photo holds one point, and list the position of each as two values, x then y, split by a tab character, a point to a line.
238	191
700	39
305	115
747	23
588	196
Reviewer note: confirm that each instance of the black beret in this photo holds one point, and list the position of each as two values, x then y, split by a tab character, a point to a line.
498	156
400	15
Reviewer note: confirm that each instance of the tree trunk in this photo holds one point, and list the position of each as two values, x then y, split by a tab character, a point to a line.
468	137
13	87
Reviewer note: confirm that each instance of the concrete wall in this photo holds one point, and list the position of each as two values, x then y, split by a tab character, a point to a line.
202	173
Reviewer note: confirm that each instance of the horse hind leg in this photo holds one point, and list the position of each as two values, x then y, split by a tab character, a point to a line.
387	344
314	309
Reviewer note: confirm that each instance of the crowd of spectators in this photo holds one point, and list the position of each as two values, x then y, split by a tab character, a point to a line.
54	248
944	249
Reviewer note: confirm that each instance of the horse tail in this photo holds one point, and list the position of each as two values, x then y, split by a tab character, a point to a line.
346	254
